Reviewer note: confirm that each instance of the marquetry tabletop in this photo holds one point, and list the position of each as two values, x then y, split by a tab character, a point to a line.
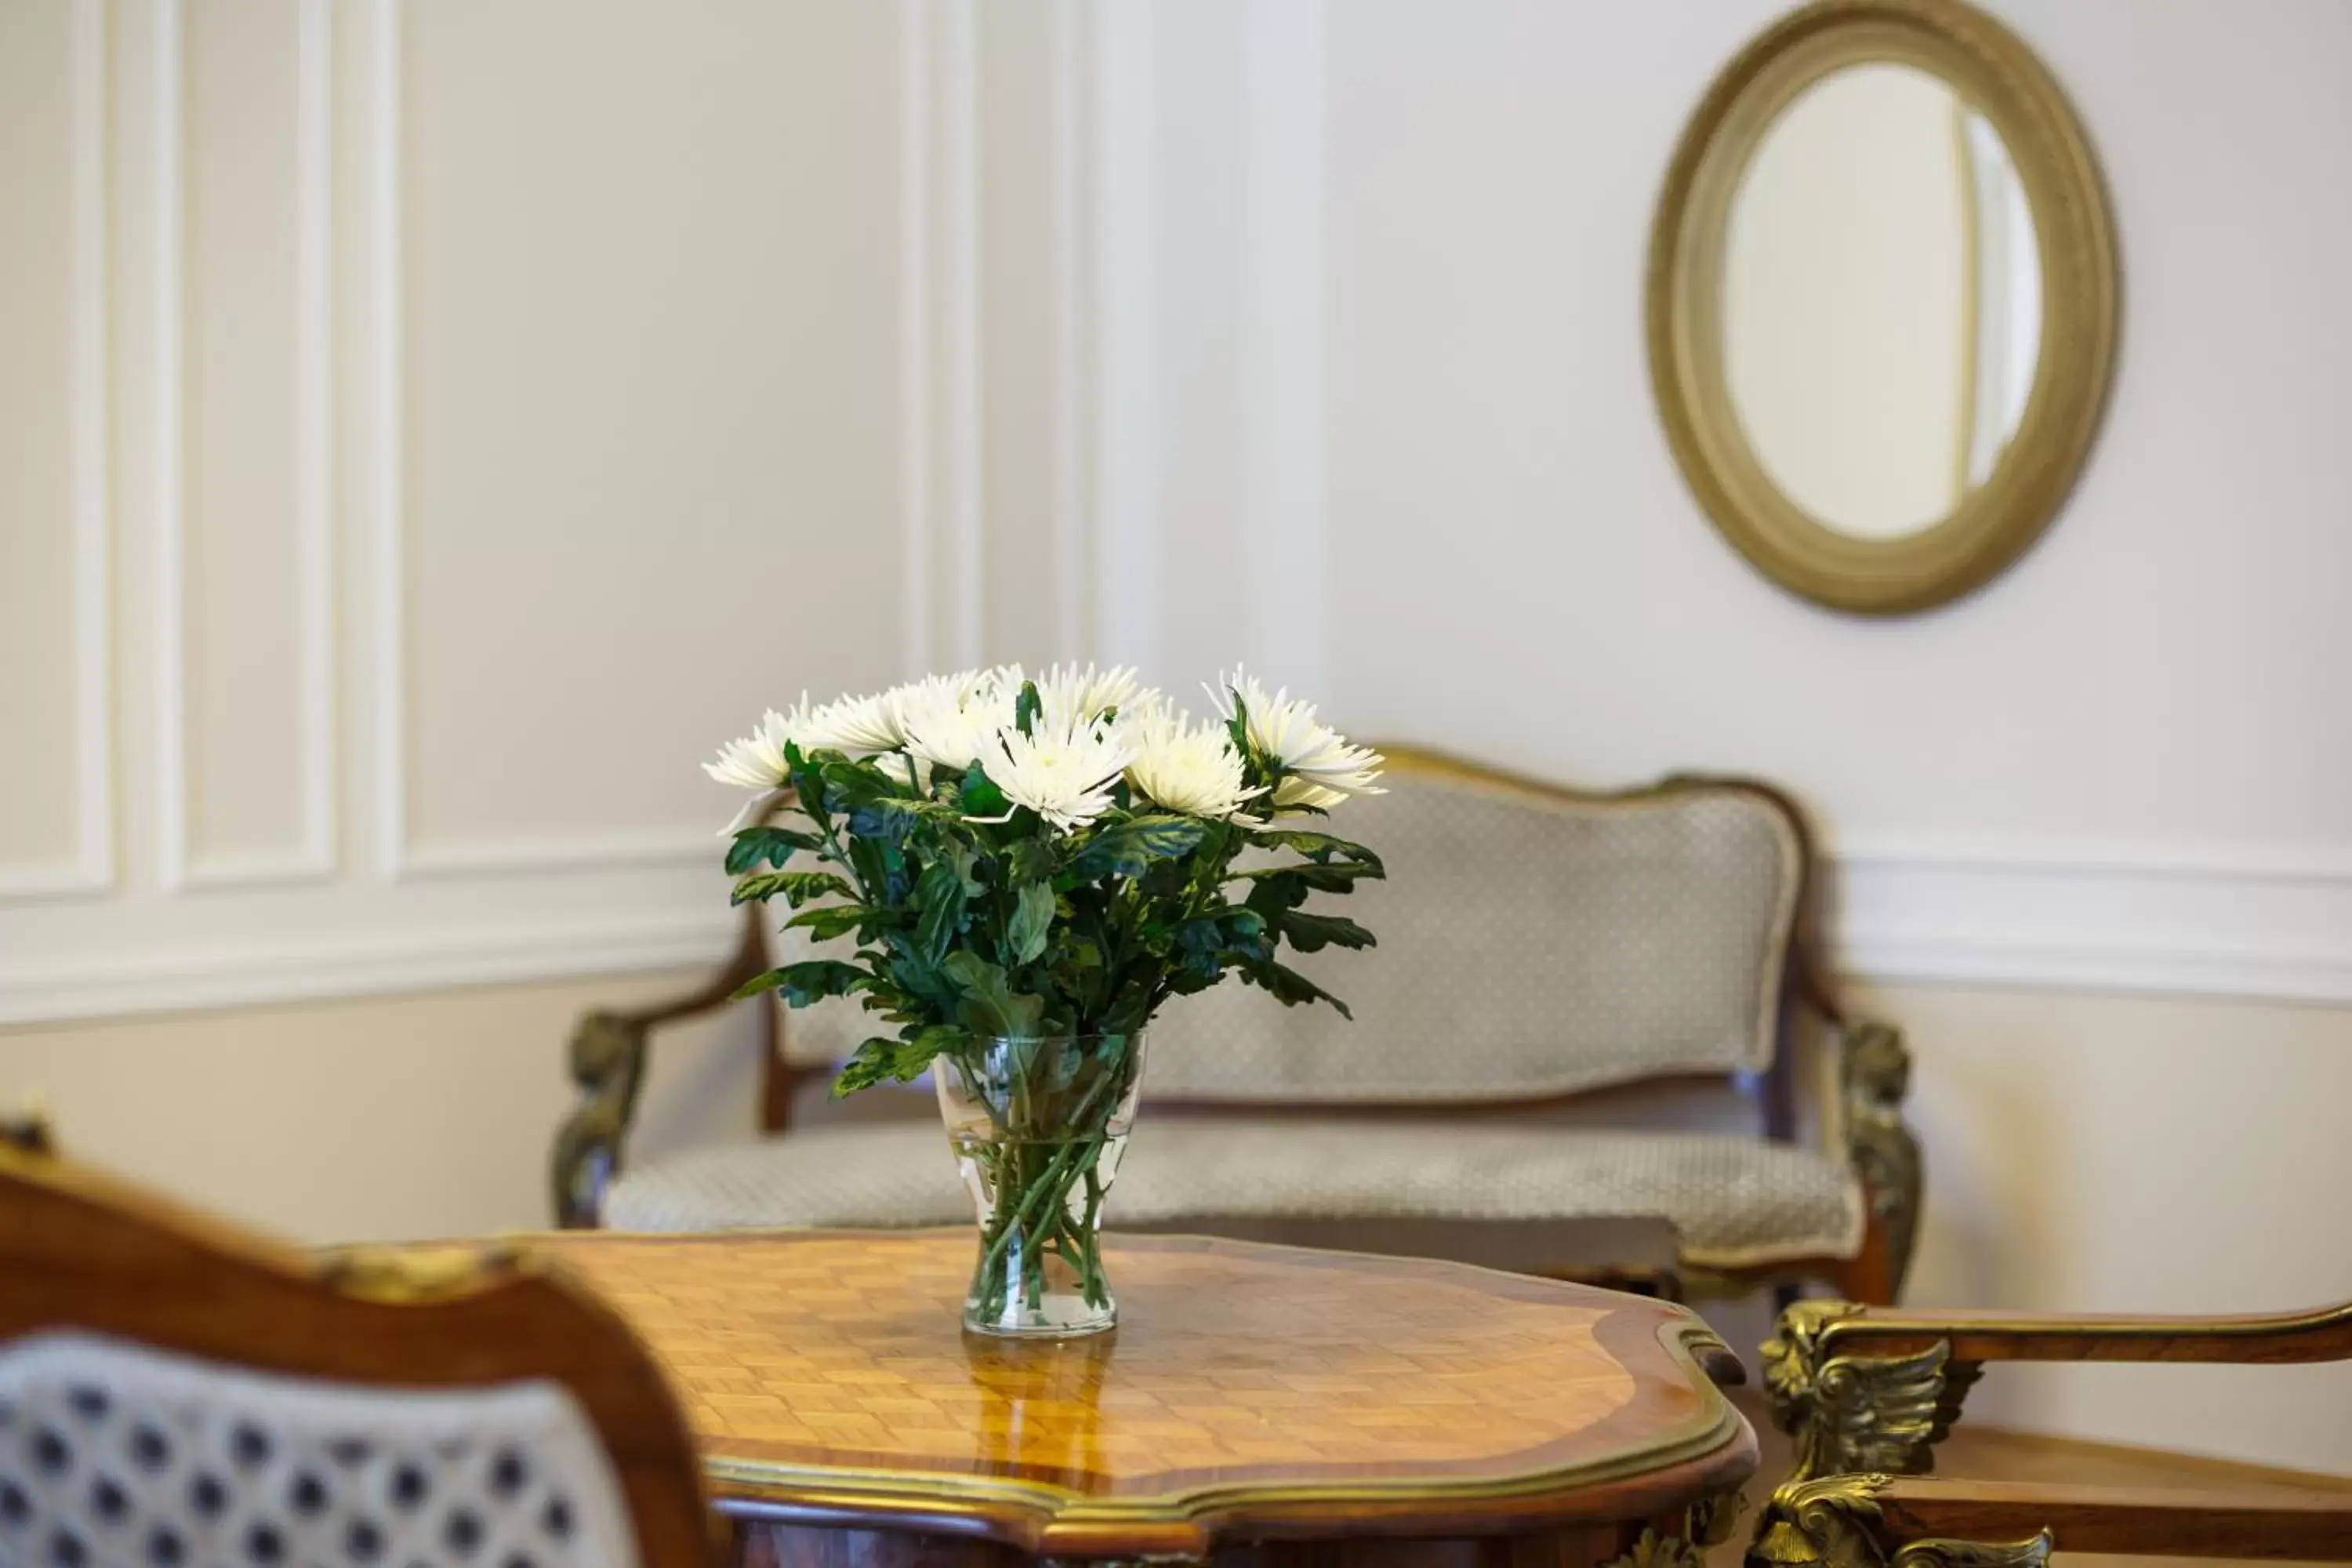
1250	1393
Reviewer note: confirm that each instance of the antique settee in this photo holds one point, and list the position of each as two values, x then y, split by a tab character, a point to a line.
1596	1039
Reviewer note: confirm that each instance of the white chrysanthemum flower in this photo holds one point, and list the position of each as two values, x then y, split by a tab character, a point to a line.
1064	774
853	724
757	761
1070	694
950	721
1321	767
1187	766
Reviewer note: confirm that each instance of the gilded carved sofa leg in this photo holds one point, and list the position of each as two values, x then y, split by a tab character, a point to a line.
1859	1413
1876	1076
608	1063
1832	1522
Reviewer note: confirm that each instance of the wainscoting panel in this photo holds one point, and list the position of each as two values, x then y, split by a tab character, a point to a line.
243	622
56	811
650	432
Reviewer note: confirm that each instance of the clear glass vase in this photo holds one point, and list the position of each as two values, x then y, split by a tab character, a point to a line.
1038	1127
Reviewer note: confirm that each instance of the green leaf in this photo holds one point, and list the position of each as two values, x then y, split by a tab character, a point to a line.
1129	849
768	845
980	796
1026	707
1286	889
809	981
1032	919
1312	933
849	785
1290	988
990	1007
1321	846
867	857
829	920
882	1059
940	893
797	887
1322	877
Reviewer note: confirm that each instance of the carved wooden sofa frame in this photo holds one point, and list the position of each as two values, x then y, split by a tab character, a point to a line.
609	1049
1867	1391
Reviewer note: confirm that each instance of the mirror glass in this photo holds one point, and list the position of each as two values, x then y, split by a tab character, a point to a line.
1882	301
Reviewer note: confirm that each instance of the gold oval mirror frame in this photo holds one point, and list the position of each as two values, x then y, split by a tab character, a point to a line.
1998	77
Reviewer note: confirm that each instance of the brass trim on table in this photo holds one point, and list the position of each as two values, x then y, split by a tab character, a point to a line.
2002	80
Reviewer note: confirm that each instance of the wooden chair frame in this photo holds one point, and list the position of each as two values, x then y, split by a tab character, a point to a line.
80	1252
608	1054
1867	1393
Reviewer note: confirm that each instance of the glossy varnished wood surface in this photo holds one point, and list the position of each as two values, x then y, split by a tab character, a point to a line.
1250	1391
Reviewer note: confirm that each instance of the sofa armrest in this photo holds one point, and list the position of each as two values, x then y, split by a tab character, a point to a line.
1876	1521
607	1057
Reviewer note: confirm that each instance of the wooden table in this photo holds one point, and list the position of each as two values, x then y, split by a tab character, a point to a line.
1256	1403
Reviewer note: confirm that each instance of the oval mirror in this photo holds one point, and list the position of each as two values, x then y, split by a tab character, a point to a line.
1881	302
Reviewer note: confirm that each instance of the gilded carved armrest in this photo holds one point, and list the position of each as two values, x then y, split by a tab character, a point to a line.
1874	1077
1879	1521
607	1060
1875	1388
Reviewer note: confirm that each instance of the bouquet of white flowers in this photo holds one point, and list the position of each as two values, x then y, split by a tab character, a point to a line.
1028	871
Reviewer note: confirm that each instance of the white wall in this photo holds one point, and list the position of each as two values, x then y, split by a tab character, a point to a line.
604	370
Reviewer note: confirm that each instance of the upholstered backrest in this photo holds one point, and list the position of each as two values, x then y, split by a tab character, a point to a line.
113	1453
173	1392
1533	942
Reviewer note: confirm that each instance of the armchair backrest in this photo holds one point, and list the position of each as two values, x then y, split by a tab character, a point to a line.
1533	942
172	1391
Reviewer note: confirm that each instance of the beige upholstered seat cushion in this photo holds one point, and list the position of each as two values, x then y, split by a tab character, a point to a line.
1735	1201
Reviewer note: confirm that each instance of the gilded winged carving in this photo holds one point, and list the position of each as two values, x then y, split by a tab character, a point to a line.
1859	1413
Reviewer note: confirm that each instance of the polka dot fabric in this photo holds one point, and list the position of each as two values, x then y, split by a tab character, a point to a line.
113	1456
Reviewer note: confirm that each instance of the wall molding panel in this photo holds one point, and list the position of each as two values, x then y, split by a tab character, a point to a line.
386	439
940	331
1282	342
91	871
2273	924
179	862
169	475
1069	216
1123	303
416	955
939	433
